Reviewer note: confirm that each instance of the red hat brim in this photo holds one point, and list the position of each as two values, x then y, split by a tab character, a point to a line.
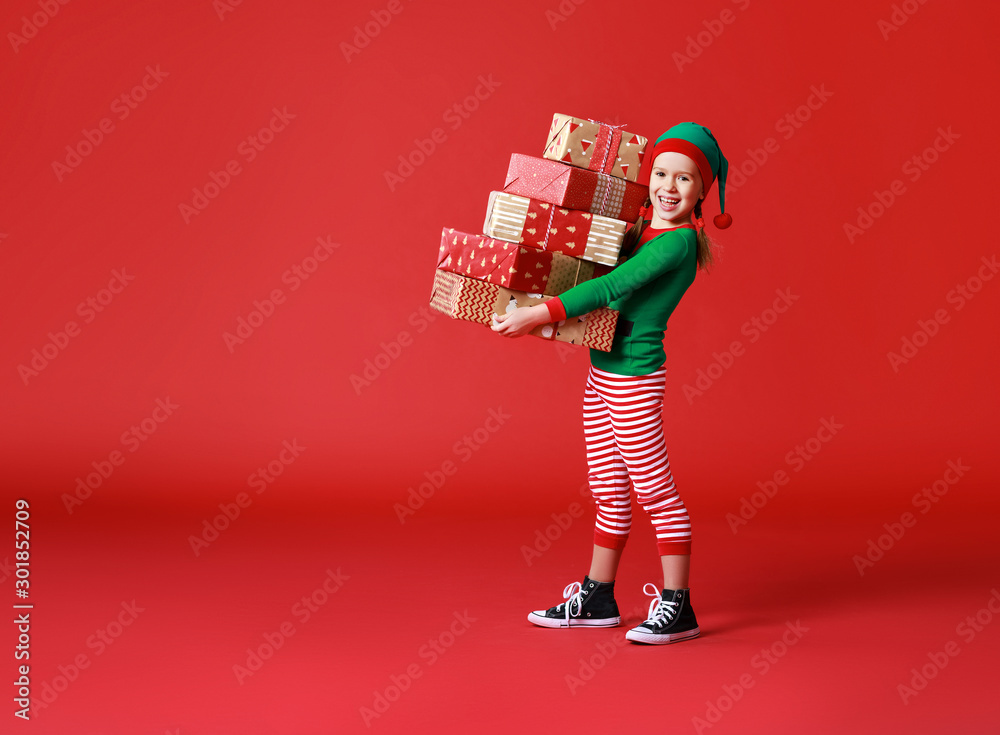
676	145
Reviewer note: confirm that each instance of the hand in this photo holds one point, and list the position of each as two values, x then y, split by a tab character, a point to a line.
522	320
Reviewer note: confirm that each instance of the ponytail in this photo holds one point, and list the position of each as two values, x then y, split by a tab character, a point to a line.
705	254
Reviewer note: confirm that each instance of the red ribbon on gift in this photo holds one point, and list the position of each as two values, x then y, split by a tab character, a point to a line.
609	139
548	227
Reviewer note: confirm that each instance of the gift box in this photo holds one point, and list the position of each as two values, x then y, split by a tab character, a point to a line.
596	146
479	301
574	188
511	265
553	228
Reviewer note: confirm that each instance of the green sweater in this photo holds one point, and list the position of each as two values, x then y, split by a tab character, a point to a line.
645	289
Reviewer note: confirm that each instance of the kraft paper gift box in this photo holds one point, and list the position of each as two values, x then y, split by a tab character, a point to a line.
511	265
574	188
555	229
473	300
595	145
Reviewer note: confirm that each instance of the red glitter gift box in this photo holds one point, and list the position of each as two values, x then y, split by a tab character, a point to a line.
574	188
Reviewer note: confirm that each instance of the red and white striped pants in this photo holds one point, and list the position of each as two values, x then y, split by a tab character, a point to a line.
623	425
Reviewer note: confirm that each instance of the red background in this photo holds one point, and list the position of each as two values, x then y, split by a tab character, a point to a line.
371	437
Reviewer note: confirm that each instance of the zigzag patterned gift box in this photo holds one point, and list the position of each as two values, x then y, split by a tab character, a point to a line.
554	229
574	188
509	264
478	301
595	145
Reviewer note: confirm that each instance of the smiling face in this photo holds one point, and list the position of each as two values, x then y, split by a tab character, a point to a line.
675	186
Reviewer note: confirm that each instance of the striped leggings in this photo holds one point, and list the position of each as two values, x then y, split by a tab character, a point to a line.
623	426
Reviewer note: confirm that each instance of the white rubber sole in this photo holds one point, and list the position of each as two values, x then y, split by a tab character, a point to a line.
538	618
638	636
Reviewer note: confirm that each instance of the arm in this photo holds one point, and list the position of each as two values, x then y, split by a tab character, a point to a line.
661	254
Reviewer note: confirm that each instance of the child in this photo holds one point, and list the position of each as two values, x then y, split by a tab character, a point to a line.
623	400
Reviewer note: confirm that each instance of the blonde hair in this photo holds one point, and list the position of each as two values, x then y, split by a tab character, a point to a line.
706	254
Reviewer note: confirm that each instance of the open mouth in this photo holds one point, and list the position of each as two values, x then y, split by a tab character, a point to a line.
668	203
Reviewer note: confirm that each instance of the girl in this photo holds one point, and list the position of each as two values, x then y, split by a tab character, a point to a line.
623	400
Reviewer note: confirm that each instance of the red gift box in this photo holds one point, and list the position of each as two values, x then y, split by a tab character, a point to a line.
557	229
510	265
574	188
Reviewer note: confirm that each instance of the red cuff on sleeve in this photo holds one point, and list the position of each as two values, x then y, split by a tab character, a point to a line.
557	311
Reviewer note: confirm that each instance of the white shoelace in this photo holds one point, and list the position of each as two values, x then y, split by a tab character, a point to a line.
659	611
574	598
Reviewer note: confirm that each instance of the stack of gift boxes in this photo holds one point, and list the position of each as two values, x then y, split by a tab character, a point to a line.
560	220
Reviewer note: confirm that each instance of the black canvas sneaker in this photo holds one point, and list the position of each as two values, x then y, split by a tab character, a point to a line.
589	604
671	618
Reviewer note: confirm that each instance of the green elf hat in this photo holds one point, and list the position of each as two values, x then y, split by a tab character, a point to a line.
697	143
